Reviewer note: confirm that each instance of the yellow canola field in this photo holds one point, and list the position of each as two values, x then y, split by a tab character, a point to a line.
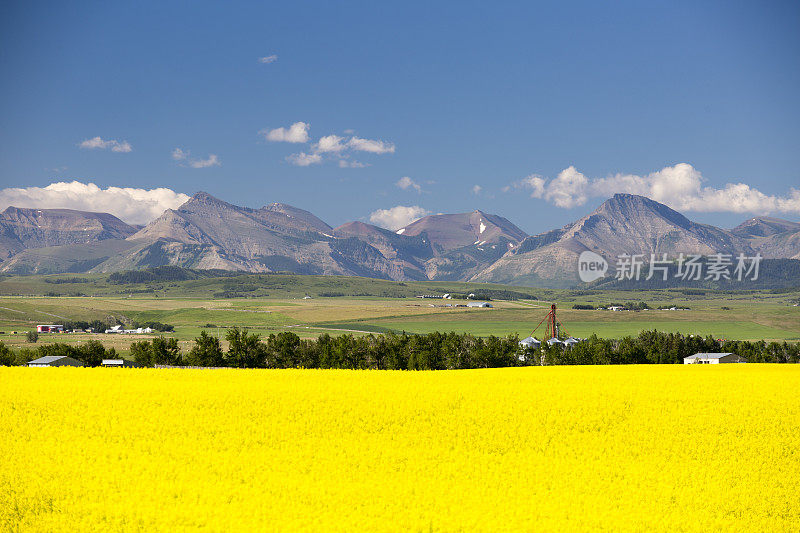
642	448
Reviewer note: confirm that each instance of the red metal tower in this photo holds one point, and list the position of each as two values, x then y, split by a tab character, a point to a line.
553	326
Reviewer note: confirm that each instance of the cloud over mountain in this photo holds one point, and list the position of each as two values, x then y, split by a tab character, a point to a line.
681	187
398	216
135	206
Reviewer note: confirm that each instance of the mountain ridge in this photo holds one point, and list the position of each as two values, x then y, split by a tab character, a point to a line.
208	233
29	228
623	224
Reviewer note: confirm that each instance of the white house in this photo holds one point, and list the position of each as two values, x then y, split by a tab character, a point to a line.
479	304
713	359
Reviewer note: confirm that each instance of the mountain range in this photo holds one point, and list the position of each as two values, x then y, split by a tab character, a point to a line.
208	233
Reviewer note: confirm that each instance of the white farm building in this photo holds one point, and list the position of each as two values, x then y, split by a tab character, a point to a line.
54	360
713	359
120	363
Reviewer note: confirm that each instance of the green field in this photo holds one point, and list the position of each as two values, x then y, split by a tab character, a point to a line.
355	305
721	329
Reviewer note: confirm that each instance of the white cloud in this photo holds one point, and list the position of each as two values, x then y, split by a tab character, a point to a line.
303	159
211	161
97	143
135	206
330	143
534	182
296	133
397	217
184	156
368	145
568	189
268	59
338	147
681	187
476	189
406	183
345	163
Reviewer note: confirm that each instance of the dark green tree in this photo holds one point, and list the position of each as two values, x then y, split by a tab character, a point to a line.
91	353
6	356
245	350
142	353
166	351
282	350
206	351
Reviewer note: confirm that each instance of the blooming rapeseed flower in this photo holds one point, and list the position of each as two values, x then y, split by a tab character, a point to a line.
677	448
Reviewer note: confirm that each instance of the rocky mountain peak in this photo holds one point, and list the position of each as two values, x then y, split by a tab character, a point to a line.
764	227
298	216
204	199
451	231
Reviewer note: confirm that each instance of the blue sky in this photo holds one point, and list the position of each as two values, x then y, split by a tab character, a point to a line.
505	96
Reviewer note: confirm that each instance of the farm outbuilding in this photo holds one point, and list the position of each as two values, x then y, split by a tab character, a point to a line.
530	342
54	360
50	328
479	304
120	363
713	359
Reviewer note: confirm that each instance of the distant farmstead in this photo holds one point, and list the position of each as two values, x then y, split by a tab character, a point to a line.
713	359
119	329
54	360
479	304
50	328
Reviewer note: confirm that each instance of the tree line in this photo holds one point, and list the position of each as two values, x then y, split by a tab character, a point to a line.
433	351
